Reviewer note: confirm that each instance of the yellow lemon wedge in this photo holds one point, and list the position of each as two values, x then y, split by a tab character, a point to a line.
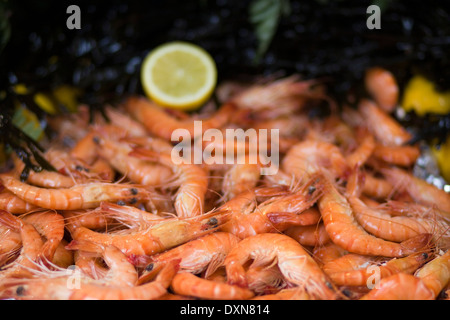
442	155
421	96
179	75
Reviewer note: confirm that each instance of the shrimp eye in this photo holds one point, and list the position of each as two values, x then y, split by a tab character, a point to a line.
425	255
132	201
329	285
96	140
311	190
20	291
121	203
212	222
149	267
134	191
347	293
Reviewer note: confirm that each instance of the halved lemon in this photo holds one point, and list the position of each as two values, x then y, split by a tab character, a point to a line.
179	75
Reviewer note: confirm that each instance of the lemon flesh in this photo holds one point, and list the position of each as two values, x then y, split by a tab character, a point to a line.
179	75
442	155
422	97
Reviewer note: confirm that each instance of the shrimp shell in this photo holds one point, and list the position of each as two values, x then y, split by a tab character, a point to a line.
83	196
346	232
296	265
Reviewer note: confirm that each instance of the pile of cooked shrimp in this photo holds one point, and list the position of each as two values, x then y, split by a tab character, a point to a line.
342	218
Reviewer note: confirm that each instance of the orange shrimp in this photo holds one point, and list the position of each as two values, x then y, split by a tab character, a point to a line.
446	294
54	287
149	291
155	238
370	202
345	231
421	191
137	170
131	216
91	219
296	265
13	204
313	235
281	178
352	117
400	286
161	124
220	275
31	249
120	271
378	188
281	97
50	225
74	168
265	280
206	253
436	273
192	182
240	178
382	86
123	120
48	179
85	148
286	294
10	240
274	214
78	197
171	296
404	156
63	258
334	130
327	253
397	228
188	284
411	209
385	128
89	264
245	147
289	126
383	225
102	171
311	156
364	150
356	270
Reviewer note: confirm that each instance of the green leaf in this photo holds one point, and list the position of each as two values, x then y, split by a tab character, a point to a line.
28	122
265	16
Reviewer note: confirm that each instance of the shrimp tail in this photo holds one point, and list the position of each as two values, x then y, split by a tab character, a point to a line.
48	251
85	245
168	272
282	220
9	220
416	243
356	182
236	275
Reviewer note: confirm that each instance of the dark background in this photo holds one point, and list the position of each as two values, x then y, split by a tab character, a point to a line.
317	38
